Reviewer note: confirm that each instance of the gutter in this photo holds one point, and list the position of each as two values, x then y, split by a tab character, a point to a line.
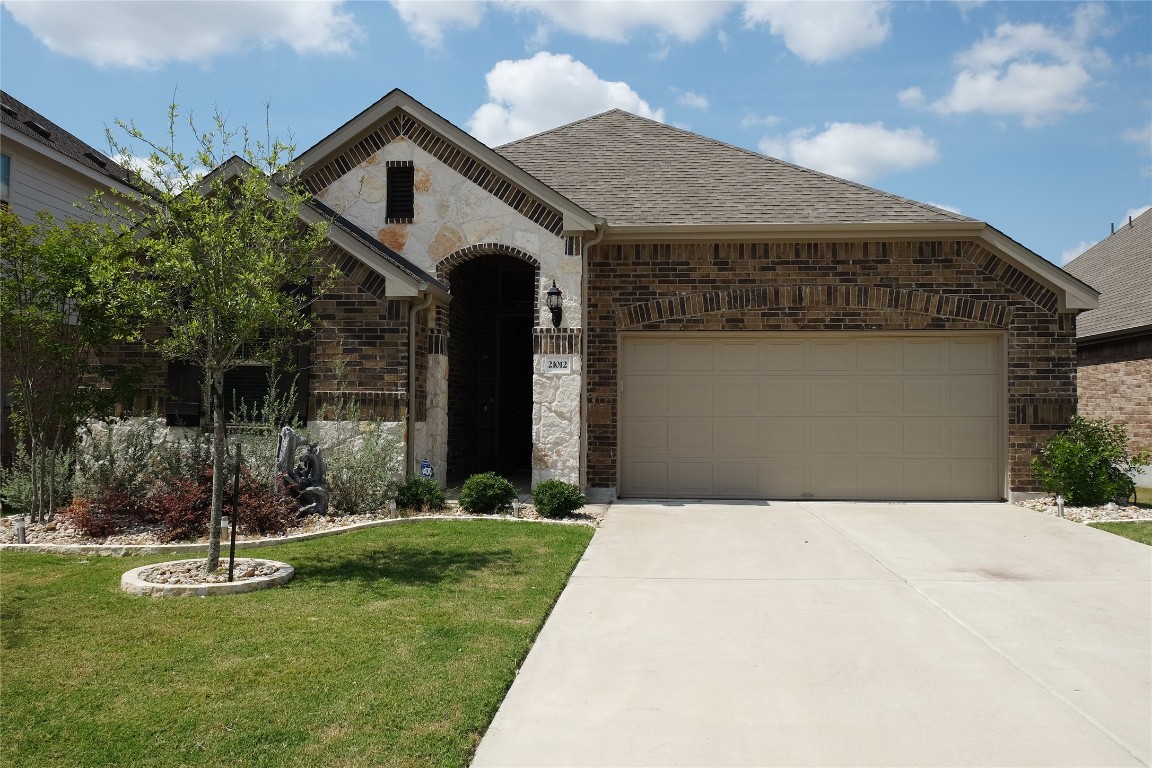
585	245
410	427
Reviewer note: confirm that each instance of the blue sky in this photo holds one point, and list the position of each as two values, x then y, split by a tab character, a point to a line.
1034	117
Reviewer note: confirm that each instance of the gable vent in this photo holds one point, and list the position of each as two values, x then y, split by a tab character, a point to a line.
401	200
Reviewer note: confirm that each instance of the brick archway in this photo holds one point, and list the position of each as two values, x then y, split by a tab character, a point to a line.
995	314
490	321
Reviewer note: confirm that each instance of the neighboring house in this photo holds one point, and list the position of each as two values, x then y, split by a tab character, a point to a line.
726	325
1114	342
43	167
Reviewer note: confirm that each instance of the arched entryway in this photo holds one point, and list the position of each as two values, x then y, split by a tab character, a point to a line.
490	323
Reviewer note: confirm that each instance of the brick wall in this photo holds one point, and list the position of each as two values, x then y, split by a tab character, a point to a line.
368	336
1114	381
853	286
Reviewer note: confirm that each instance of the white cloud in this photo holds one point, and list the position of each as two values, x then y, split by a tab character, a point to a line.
136	35
617	21
911	97
528	96
751	119
950	208
1070	253
426	21
691	99
856	151
1141	136
1132	213
821	32
1029	71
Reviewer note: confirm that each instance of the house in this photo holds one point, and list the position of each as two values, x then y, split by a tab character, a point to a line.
651	313
44	167
728	325
1114	342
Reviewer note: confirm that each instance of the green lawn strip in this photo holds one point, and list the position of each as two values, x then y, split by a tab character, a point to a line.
392	646
1144	497
1137	530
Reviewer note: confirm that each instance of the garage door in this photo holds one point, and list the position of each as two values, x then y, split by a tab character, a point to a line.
811	416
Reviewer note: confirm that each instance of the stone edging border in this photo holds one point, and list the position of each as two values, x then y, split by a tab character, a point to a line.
125	550
131	583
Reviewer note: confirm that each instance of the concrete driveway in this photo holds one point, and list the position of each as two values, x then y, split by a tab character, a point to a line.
834	634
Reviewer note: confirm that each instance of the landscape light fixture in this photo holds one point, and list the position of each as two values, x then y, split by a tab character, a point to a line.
555	304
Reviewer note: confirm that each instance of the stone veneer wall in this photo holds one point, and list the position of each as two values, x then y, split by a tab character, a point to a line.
852	286
464	209
1114	381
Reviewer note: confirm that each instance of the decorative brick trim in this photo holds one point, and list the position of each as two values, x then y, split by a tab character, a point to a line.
992	313
369	280
556	341
401	124
993	265
456	258
1055	413
374	405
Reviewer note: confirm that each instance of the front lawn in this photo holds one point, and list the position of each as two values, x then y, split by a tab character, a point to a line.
392	646
1137	530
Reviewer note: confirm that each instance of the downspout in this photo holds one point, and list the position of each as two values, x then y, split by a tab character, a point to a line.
410	441
585	245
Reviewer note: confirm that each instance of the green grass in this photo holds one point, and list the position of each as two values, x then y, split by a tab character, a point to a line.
392	646
1144	497
1137	530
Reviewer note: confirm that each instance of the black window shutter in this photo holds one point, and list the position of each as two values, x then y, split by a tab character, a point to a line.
401	202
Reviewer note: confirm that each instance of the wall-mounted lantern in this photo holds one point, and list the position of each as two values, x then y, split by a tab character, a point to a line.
555	304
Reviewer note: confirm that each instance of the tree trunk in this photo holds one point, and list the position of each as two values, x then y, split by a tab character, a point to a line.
219	473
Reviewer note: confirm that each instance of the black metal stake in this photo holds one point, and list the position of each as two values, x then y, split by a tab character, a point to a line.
235	511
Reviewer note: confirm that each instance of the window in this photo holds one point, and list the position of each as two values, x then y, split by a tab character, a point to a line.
401	200
5	174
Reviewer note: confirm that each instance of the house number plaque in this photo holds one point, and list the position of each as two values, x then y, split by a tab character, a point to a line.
557	364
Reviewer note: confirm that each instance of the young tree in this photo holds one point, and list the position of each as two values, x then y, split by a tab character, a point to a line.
220	258
58	308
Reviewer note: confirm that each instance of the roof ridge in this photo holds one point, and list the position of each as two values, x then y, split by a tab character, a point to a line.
565	125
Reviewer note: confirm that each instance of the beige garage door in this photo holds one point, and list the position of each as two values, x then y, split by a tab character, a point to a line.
811	416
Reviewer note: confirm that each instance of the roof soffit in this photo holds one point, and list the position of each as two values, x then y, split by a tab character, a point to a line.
398	114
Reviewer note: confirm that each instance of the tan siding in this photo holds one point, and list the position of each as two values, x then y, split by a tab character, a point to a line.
37	184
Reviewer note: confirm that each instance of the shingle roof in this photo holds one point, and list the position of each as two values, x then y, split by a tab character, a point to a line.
23	119
634	171
1120	267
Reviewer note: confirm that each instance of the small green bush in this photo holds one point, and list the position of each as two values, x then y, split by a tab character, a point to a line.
556	498
418	493
1089	463
486	494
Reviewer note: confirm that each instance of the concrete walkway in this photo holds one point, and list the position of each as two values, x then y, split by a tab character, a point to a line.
833	634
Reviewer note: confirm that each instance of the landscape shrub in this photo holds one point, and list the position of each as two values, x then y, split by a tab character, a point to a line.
116	456
361	473
556	498
107	515
183	508
1089	463
17	488
420	493
486	494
